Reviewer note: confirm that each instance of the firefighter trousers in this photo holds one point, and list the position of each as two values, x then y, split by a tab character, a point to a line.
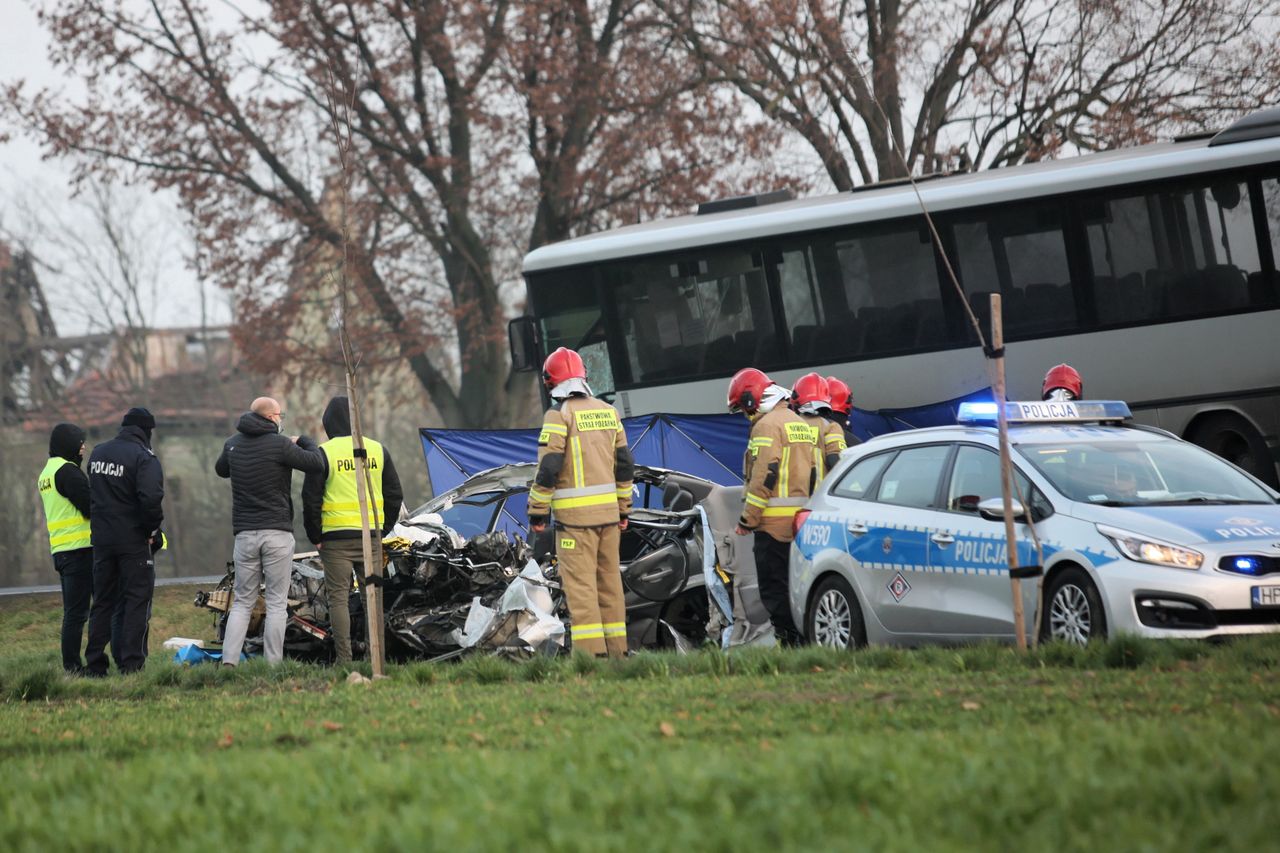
588	559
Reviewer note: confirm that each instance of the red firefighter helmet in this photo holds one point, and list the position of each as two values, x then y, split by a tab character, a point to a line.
810	388
562	364
841	396
1065	377
746	390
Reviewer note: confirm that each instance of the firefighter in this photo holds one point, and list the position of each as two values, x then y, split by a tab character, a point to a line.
811	400
842	409
584	476
64	490
779	471
1062	383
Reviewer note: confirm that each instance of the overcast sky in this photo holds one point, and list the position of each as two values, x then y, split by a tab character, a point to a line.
35	196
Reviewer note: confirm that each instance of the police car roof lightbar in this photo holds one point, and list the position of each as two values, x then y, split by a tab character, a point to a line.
1078	411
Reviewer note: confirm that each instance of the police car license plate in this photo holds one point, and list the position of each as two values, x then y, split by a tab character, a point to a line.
1265	596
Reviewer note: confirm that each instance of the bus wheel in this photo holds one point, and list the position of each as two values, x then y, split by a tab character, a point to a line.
1235	440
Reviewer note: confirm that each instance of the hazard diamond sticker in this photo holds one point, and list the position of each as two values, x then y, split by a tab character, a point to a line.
898	587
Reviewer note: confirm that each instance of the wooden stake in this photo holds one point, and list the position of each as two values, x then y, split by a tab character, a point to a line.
1006	470
372	568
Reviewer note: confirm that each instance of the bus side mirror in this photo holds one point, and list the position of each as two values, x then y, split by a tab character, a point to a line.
522	336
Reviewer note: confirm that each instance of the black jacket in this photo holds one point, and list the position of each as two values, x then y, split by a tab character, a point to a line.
338	423
70	482
126	488
260	462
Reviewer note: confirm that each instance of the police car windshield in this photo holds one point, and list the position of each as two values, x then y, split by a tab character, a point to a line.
1152	472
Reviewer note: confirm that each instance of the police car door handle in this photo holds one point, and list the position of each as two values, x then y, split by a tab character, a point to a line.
943	539
858	529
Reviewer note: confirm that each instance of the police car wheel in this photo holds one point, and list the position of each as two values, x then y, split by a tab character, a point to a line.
1073	610
835	619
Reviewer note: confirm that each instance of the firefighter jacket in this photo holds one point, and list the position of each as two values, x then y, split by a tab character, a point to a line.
833	443
779	470
584	466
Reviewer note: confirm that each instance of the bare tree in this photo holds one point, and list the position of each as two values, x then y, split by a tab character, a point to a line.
453	102
960	83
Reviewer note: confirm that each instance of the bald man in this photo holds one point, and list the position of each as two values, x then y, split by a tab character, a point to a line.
260	461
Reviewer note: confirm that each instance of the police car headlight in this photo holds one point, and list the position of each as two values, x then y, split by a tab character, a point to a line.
1144	550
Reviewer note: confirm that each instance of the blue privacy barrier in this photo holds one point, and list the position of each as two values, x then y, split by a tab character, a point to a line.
709	446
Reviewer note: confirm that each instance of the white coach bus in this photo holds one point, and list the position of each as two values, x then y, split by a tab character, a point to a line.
1152	270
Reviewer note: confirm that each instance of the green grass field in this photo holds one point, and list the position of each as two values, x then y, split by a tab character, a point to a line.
1125	746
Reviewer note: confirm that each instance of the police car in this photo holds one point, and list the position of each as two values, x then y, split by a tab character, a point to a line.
1140	532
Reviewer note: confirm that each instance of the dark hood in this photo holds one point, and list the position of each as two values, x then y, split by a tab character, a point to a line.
337	418
252	423
65	441
136	434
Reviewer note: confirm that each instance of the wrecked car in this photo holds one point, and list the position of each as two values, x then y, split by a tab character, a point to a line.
462	573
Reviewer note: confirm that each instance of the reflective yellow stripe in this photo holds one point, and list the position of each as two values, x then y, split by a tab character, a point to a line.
777	511
71	537
615	629
755	500
539	494
587	500
578	480
593	631
819	463
784	476
82	523
558	429
833	438
624	491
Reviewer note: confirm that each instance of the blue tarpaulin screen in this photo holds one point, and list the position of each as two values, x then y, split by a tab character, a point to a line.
709	446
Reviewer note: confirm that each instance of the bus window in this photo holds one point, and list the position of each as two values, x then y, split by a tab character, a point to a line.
568	311
886	296
1020	251
801	306
1183	251
683	318
1260	290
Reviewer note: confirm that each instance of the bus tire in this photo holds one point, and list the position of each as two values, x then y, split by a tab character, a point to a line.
1235	440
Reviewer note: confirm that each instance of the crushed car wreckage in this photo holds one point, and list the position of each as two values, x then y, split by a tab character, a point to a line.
461	576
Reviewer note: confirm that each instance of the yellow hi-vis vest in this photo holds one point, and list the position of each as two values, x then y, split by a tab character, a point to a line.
68	529
340	509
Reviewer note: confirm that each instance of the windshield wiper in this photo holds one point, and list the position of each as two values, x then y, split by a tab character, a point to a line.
1202	499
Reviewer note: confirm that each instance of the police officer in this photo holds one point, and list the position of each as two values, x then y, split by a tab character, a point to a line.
126	487
779	471
842	409
331	514
811	400
64	490
584	474
1062	383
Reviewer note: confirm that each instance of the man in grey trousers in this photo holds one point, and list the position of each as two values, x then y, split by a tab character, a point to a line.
260	461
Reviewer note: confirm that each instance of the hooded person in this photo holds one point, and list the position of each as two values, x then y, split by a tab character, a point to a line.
779	471
260	460
64	492
331	514
126	491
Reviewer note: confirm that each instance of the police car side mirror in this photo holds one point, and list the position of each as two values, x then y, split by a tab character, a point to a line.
992	509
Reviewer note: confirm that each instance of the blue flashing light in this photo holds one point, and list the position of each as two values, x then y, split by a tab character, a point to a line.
1246	565
1038	411
977	413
